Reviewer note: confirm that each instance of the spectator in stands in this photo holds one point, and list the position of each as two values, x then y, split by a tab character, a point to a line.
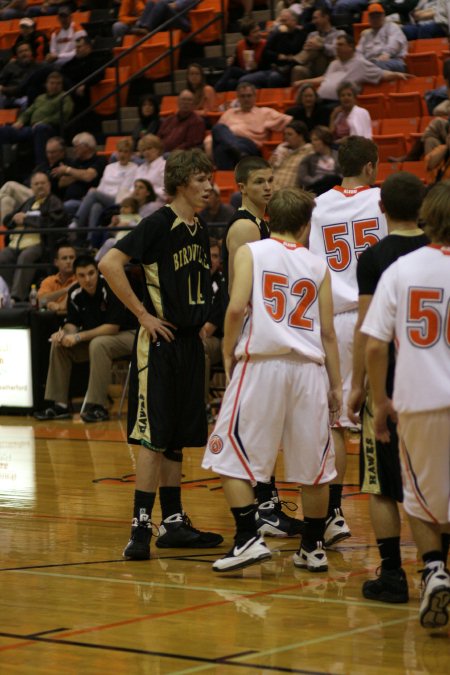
13	10
117	180
51	7
430	20
384	43
350	67
15	75
320	47
247	57
13	194
5	298
37	39
434	144
149	121
284	42
216	212
62	41
156	12
76	176
145	196
129	13
42	211
98	329
437	99
85	63
52	292
349	119
185	129
309	108
287	156
127	217
41	119
211	332
152	168
319	171
242	131
204	94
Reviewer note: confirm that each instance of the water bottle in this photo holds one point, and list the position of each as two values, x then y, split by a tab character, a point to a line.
33	297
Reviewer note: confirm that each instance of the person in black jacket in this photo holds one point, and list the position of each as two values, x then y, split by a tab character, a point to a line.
44	211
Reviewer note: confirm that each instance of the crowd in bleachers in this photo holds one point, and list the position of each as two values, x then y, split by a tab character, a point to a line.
293	89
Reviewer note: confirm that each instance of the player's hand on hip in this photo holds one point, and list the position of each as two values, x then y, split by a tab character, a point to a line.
157	328
380	416
334	405
355	401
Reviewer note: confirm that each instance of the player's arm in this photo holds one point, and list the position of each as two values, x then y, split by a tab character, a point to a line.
112	266
240	233
330	347
240	297
358	393
377	358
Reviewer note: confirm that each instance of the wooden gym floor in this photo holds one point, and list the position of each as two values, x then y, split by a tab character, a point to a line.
69	603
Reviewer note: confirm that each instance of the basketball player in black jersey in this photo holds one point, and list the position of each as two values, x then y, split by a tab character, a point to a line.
254	177
401	199
166	400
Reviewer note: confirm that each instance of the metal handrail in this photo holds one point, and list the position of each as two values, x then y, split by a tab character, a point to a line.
114	62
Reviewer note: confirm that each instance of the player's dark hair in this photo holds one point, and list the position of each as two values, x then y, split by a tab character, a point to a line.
354	153
62	243
290	210
247	26
181	165
402	196
83	260
248	164
435	213
349	39
214	243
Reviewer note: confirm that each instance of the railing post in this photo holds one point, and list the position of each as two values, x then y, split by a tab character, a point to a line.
118	92
224	28
172	63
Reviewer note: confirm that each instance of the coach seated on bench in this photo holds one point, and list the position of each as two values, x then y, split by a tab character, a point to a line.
98	329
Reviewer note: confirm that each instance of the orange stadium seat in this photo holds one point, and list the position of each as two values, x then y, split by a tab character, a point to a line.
390	145
422	64
111	145
8	115
268	147
227	184
409	104
380	88
107	85
436	45
386	169
47	24
419	84
374	103
272	97
358	29
376	126
156	47
400	125
419	169
130	59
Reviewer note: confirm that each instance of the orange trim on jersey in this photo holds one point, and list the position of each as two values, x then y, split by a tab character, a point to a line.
351	192
411	477
324	460
440	247
288	244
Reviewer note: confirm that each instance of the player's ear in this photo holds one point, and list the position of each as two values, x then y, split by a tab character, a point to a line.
241	187
381	205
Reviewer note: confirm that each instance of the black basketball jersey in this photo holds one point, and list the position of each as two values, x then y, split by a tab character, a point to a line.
373	262
242	214
176	263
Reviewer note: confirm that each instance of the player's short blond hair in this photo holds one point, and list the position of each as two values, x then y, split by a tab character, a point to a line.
290	210
435	213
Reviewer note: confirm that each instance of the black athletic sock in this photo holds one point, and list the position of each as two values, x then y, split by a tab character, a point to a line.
313	531
143	503
170	500
445	538
244	517
335	498
389	549
263	492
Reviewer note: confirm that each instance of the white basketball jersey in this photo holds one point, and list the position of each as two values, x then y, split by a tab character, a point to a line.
284	311
345	222
412	301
